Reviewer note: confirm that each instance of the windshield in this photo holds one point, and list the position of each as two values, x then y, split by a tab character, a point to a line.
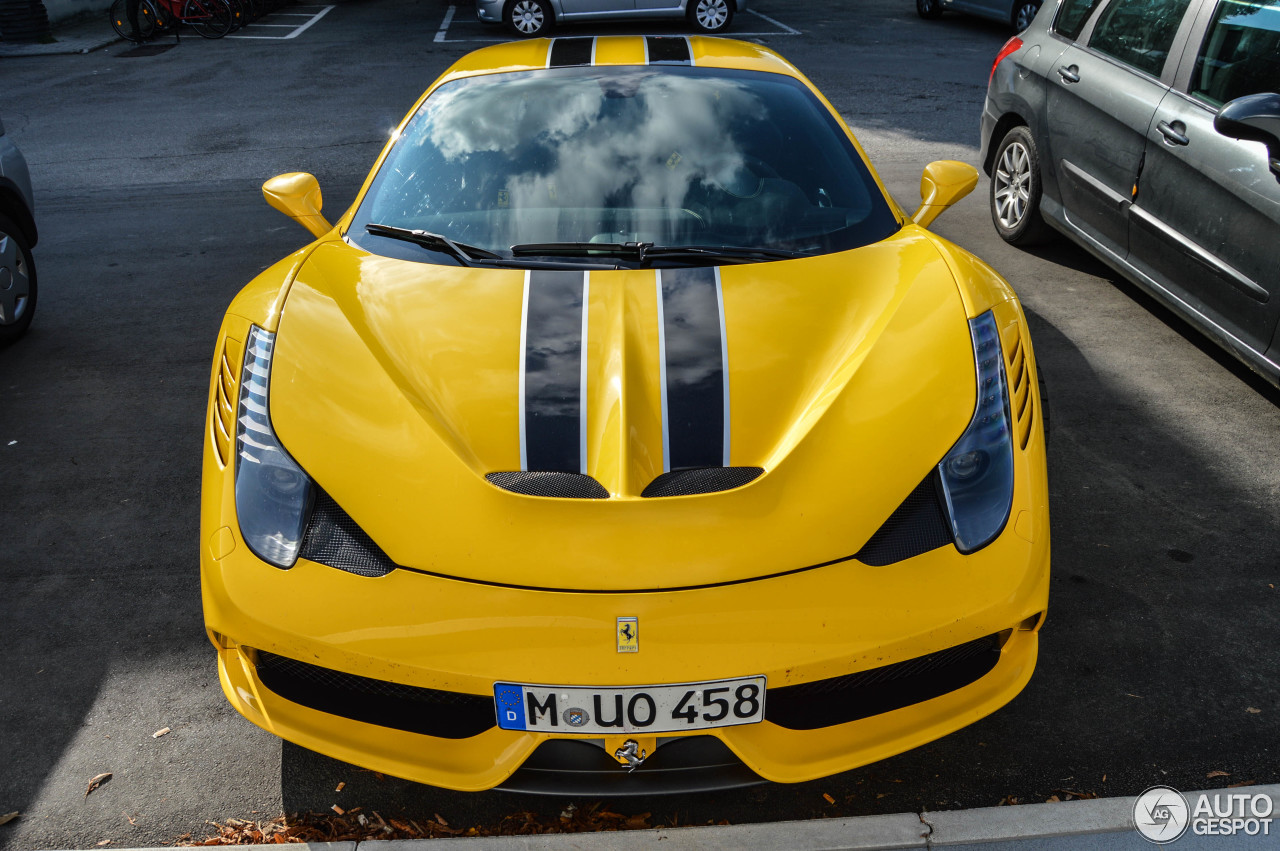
673	156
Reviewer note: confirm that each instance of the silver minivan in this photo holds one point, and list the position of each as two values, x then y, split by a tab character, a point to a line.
532	18
1148	132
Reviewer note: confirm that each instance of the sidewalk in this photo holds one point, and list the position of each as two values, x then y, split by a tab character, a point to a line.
82	35
1104	823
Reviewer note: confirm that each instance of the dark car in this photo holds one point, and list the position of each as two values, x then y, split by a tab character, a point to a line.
17	237
1017	13
1148	131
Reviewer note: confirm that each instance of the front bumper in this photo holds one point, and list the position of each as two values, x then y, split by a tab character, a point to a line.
462	637
490	11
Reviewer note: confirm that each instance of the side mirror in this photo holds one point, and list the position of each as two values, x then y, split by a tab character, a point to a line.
1254	118
943	183
297	195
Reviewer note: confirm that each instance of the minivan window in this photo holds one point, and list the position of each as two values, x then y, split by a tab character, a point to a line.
1139	33
1241	52
1072	15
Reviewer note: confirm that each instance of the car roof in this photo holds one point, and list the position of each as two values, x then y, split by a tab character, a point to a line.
702	51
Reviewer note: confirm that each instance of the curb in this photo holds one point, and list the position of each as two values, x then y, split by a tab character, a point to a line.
1014	825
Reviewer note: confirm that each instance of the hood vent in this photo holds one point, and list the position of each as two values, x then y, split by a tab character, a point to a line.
556	485
1020	398
701	480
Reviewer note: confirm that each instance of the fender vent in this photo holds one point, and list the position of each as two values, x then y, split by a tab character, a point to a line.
1020	399
556	485
222	406
701	480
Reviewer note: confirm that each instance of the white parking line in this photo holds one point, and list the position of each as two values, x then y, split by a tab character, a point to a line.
295	30
443	33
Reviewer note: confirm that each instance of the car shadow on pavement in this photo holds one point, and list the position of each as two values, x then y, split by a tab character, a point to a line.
1154	658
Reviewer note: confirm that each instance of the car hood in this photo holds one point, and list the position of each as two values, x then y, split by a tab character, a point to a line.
399	385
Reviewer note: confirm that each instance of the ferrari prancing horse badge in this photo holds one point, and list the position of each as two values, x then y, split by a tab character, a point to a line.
628	635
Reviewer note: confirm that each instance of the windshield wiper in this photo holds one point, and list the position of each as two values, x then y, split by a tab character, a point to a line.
642	252
465	254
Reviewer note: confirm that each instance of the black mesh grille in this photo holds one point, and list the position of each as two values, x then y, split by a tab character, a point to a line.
446	714
915	527
701	480
558	485
333	538
839	700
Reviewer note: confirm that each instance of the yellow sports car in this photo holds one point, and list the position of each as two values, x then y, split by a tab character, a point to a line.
623	436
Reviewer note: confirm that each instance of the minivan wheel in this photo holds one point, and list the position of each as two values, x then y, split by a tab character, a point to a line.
529	18
930	10
1015	190
1024	12
17	282
711	16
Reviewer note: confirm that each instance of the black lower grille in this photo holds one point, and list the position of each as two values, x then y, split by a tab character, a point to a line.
701	480
558	485
333	538
431	712
917	526
839	700
678	766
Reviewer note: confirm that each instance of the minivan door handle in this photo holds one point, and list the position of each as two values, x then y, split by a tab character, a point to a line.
1175	133
1069	73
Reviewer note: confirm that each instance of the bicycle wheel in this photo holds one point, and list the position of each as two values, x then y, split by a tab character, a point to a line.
119	15
154	19
239	14
209	18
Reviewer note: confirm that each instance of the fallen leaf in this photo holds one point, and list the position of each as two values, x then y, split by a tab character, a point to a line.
8	817
440	819
163	731
1104	778
341	786
98	780
1242	783
830	800
104	842
1053	799
339	810
1253	710
1134	695
1218	773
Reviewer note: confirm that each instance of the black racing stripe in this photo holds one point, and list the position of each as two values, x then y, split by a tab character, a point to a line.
553	371
664	50
695	369
570	51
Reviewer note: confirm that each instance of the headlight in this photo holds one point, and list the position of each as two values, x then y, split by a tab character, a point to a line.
977	474
273	494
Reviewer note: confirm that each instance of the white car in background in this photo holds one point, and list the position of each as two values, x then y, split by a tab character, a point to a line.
532	18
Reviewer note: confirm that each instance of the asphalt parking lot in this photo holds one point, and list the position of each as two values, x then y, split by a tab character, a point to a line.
1158	662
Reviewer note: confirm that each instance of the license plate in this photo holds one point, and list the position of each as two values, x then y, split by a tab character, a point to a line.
631	709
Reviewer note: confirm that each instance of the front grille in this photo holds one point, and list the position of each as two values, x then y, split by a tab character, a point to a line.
557	485
701	480
839	700
917	526
334	539
431	712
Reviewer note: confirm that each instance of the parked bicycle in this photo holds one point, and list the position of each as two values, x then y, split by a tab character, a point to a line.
209	18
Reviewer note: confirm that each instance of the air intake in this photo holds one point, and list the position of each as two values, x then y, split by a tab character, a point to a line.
334	539
555	485
701	480
917	526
